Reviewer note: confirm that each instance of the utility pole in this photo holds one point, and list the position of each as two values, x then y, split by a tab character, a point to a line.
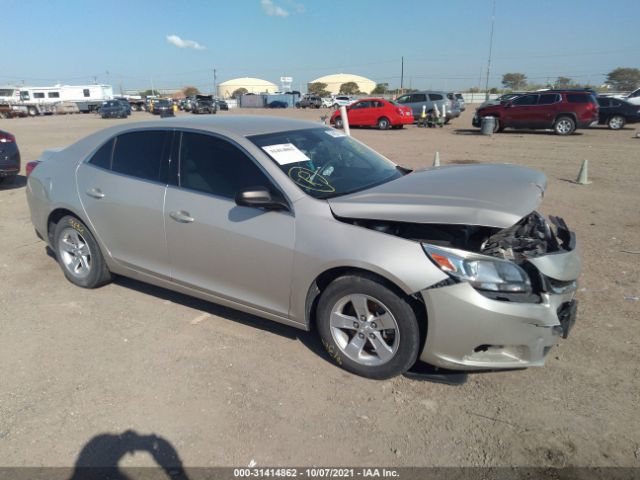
402	75
214	83
493	19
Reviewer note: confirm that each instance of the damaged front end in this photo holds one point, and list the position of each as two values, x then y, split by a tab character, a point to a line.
509	296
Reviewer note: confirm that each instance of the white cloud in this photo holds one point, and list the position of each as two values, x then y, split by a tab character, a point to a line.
180	43
272	9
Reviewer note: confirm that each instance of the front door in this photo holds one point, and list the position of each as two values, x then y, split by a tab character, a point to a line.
239	253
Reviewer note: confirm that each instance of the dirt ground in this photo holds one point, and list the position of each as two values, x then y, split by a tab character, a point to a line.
226	388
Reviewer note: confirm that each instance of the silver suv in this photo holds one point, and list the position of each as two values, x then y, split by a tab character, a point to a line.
429	99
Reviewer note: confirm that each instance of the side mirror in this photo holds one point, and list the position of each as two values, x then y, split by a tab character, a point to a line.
259	197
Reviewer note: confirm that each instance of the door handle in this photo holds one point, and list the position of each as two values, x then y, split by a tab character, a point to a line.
181	216
95	193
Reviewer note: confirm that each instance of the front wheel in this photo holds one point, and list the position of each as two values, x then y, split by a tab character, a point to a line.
367	328
78	254
616	122
564	126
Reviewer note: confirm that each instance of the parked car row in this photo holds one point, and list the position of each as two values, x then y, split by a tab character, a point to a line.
562	110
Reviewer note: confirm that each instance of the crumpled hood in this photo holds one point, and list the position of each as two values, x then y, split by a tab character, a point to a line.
492	195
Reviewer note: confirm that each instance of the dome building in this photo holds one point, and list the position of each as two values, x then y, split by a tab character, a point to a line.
252	85
335	81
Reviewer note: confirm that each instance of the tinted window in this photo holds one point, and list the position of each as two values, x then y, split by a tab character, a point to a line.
85	92
102	158
418	97
616	103
548	98
38	95
604	102
361	105
526	100
377	104
435	96
140	154
53	95
578	98
211	165
404	99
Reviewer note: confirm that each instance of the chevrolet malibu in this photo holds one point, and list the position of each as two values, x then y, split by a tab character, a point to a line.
298	223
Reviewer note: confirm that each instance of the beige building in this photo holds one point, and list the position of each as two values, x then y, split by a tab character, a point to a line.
252	85
335	81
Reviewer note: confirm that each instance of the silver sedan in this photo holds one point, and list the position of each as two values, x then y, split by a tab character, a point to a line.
298	223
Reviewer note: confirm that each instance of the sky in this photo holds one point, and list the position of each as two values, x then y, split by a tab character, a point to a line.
137	44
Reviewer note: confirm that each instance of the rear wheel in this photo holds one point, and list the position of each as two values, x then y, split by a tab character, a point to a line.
616	122
383	123
564	125
78	254
367	328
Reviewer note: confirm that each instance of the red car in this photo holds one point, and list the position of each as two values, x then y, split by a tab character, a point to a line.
560	110
375	112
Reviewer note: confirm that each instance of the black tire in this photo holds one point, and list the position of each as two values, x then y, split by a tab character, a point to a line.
383	123
497	127
564	125
616	122
98	273
406	345
338	123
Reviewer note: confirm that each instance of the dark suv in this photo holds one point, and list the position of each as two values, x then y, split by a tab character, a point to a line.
560	110
309	101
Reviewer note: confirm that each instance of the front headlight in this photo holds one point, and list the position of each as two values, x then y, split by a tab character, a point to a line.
481	271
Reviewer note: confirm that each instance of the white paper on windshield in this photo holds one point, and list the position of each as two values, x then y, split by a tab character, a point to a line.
335	133
285	153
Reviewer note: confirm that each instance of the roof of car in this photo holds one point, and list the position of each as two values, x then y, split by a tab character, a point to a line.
240	125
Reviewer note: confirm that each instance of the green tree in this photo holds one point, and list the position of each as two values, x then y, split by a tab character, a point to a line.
349	88
563	82
381	89
319	89
514	81
189	90
238	92
624	79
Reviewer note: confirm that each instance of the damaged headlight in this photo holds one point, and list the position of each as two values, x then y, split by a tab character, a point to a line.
481	271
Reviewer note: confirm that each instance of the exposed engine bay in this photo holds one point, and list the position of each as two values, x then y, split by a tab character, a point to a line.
531	237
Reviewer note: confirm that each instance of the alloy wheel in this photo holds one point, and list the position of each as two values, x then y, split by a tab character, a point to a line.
75	253
364	330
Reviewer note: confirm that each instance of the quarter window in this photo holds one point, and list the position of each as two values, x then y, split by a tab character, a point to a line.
211	165
140	154
578	98
102	158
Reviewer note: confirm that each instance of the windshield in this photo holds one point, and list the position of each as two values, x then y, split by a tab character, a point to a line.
325	162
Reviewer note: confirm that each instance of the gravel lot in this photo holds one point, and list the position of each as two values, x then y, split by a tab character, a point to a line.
226	388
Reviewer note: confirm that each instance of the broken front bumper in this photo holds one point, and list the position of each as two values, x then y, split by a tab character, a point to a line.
468	331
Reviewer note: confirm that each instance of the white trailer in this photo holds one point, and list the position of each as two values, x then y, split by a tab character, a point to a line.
41	100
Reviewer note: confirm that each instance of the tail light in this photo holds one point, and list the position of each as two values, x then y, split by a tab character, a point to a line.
7	138
31	166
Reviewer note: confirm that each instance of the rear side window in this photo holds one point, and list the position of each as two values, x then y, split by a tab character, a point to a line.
548	98
604	102
102	158
418	97
140	154
578	98
212	165
435	96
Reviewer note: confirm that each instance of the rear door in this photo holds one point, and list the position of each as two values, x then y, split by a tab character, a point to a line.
605	109
547	108
237	253
122	189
